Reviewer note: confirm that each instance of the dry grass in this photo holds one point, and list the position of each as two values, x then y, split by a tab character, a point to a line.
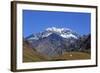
73	56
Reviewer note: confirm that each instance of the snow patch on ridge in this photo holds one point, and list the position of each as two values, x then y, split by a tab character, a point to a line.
69	36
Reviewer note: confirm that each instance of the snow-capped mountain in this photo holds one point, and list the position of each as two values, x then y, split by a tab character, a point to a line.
56	41
63	32
53	41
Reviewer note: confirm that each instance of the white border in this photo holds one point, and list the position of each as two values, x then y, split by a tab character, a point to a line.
21	65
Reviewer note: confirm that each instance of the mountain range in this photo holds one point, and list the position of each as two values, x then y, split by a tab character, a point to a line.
57	41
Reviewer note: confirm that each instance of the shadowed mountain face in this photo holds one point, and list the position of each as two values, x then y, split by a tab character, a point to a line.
57	41
85	44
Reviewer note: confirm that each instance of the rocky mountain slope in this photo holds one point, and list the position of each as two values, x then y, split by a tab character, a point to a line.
56	41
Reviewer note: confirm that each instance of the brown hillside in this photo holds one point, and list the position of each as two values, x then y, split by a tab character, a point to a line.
30	55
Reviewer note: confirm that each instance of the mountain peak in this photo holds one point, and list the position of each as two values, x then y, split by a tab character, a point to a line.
62	32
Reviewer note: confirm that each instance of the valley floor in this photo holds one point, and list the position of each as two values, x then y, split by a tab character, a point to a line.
73	56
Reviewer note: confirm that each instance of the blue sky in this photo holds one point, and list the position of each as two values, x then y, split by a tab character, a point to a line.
37	21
